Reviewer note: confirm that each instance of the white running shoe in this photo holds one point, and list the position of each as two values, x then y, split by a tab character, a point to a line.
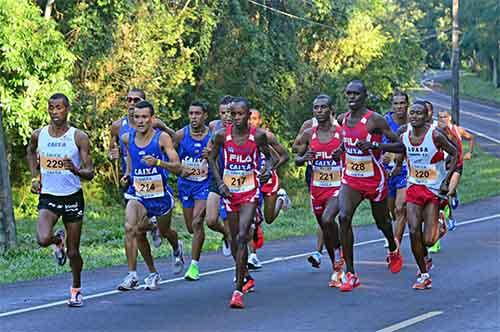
226	249
129	283
253	262
152	281
154	233
179	258
386	243
315	259
287	203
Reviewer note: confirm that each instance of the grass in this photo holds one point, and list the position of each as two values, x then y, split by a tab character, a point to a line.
102	239
472	86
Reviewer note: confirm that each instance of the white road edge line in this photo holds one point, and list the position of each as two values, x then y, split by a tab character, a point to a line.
168	281
411	321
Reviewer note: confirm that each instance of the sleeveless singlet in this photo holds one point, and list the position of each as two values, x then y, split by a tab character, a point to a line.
55	180
362	168
241	164
425	161
190	154
326	172
147	182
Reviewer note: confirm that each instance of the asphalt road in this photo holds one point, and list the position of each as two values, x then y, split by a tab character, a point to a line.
290	295
480	119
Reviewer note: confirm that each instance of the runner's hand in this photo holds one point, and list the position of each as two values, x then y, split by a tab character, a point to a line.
206	152
224	191
468	156
337	154
36	186
114	153
265	176
149	160
124	181
309	155
69	166
364	145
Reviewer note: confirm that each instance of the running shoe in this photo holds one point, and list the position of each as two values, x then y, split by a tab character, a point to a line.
179	258
258	237
452	224
154	233
287	202
129	283
237	300
350	282
193	273
248	284
386	243
226	249
424	281
152	281
76	300
454	201
395	259
59	249
435	248
253	262
315	259
337	278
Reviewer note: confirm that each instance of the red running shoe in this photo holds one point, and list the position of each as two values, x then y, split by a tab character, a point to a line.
249	285
351	281
237	300
424	281
395	260
258	237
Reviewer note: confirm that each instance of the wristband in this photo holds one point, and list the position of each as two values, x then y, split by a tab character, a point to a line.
158	162
35	179
375	145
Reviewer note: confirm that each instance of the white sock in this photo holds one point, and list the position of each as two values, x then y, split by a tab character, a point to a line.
195	262
133	273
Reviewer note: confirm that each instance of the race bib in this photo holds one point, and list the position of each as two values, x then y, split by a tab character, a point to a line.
52	164
326	177
423	174
197	170
149	186
239	181
359	166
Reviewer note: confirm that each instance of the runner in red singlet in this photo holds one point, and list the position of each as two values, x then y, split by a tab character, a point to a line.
315	147
239	184
364	176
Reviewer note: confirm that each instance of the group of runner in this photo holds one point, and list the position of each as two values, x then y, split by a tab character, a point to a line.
405	164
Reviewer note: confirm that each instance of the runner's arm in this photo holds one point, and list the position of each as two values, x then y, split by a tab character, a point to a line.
278	149
86	170
217	142
305	125
113	150
396	146
125	178
471	139
173	164
302	148
443	142
158	124
263	145
33	163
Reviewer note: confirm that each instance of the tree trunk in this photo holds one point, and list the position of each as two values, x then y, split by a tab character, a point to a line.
455	66
7	224
494	71
48	8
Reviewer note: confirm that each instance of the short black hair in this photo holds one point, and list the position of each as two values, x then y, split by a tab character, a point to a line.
329	99
428	105
226	100
146	104
398	92
139	91
205	106
60	96
242	100
360	82
421	103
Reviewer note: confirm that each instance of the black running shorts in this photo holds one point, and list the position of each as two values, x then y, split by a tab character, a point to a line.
70	207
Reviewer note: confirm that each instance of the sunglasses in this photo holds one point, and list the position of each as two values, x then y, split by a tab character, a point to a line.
133	99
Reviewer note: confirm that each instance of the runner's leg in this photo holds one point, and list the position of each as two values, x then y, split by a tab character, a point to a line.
415	216
399	228
73	235
380	213
349	200
330	228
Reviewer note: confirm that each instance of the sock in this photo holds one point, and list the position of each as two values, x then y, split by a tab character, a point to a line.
74	291
133	274
195	262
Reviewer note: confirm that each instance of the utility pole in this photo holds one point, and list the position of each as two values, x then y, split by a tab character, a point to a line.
455	65
7	224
